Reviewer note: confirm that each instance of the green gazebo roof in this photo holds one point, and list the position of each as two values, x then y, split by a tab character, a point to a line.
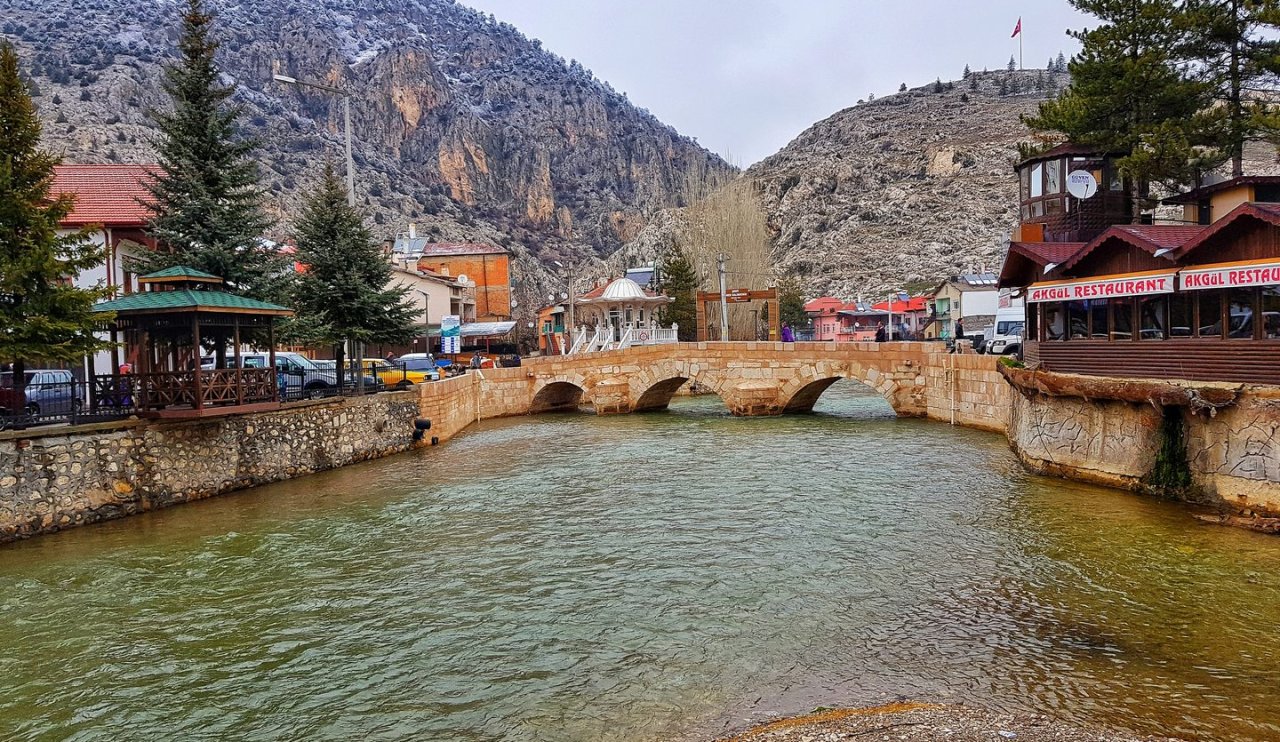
180	273
151	302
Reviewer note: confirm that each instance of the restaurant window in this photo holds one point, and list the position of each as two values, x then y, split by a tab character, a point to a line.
1209	314
1241	311
1037	180
1054	322
1053	176
1078	319
1033	325
1098	318
1181	315
1153	315
1271	312
1122	319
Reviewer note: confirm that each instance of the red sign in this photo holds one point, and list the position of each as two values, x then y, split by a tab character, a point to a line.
1230	276
1102	288
737	296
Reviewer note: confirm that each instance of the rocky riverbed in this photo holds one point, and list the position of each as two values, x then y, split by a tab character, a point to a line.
917	722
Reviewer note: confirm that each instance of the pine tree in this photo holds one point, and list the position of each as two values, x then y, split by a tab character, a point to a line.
791	304
1129	94
207	210
680	282
1004	86
343	295
967	72
937	86
1060	64
973	82
902	88
42	315
1049	67
1235	51
1013	63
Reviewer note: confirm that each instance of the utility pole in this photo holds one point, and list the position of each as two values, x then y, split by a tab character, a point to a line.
724	305
346	120
426	319
569	279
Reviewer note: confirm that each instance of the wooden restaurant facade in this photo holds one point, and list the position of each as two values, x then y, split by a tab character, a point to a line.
1185	301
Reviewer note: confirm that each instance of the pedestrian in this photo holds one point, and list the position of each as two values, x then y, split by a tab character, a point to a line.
788	335
391	357
880	334
476	360
959	330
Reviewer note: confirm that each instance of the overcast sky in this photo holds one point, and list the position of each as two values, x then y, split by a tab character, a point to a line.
746	76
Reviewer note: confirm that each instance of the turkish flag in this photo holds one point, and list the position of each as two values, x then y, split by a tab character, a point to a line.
1017	29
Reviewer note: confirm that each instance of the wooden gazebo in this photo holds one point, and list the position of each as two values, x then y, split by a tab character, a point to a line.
163	328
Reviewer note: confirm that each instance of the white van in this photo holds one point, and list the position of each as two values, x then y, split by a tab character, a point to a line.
1006	335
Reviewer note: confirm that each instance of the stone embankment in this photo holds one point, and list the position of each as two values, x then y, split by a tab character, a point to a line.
916	722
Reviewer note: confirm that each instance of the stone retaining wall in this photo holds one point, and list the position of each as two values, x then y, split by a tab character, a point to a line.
967	389
58	478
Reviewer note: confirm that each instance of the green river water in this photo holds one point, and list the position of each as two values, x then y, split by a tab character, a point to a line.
644	577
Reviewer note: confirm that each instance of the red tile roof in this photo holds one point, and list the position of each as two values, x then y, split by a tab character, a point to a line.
446	249
1148	237
105	194
1266	212
1046	253
915	304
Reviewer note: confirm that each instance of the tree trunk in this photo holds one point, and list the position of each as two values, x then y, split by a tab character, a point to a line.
1236	106
340	364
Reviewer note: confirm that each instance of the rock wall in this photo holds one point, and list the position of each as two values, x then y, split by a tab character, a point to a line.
58	478
1112	432
966	389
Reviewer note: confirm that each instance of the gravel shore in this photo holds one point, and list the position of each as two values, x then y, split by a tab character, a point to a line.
918	722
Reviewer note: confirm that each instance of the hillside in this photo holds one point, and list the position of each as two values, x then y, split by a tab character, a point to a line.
461	123
903	190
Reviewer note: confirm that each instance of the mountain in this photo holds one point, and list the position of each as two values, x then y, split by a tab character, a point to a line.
903	190
461	124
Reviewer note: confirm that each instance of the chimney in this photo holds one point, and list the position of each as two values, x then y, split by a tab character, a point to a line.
413	230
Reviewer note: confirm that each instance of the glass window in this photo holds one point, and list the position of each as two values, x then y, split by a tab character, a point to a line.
1026	212
1078	319
1181	319
1054	322
1037	180
1037	208
1114	181
1033	326
1122	319
1210	313
1053	206
1242	311
1053	176
1098	318
1152	311
1271	312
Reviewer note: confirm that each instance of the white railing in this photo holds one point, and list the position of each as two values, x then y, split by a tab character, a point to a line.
624	342
580	340
595	340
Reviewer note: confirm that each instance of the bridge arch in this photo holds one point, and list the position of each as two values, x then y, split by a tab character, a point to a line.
802	393
557	396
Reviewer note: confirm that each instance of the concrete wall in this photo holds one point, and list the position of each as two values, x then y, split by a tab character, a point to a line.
59	478
1111	432
967	389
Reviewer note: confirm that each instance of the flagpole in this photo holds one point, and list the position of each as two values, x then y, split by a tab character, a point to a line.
1020	65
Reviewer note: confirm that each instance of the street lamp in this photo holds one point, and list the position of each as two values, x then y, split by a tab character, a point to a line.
568	277
426	319
346	117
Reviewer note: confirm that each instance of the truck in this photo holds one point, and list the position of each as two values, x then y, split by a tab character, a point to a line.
1005	335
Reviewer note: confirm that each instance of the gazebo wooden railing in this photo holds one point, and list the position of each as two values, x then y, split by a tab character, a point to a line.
186	390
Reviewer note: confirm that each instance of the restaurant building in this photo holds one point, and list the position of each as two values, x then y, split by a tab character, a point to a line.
1194	300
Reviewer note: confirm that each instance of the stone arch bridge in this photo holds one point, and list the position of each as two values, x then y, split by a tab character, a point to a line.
753	379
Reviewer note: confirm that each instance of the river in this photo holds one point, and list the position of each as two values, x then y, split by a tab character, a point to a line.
661	576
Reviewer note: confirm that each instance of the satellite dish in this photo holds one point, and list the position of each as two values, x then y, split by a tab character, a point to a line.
551	297
1081	184
514	303
564	295
462	278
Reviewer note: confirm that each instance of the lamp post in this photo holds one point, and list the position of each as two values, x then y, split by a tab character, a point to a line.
568	277
426	319
346	117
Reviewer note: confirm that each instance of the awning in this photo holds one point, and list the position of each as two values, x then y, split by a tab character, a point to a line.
1230	275
1103	287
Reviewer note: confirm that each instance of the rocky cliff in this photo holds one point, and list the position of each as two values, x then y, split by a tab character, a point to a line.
461	123
903	190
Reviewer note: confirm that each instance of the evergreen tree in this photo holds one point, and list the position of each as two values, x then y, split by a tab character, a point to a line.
680	282
1235	51
42	315
967	72
1060	64
791	304
937	86
902	88
973	82
1130	96
1004	86
343	295
1049	67
207	210
1013	63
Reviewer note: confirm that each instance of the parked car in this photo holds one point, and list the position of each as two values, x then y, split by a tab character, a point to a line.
301	376
403	373
48	392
